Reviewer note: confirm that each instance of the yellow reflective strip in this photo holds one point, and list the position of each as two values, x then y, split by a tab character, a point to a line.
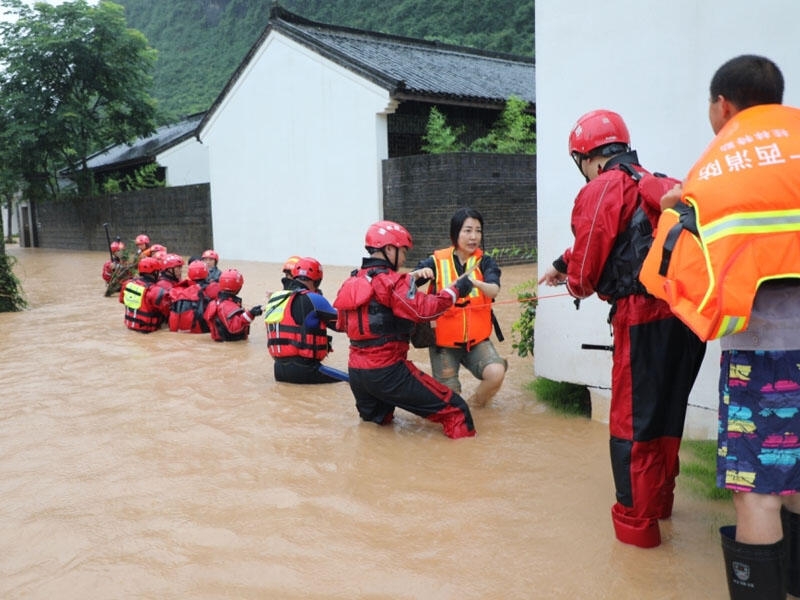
751	223
730	324
470	262
447	272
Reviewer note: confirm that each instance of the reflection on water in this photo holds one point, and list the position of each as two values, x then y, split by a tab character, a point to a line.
170	466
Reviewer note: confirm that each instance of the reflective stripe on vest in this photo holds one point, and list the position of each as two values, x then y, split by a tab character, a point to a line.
469	321
285	337
743	200
276	306
134	293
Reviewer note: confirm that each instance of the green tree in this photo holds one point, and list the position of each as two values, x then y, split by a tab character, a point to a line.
74	79
439	137
11	298
145	177
512	133
201	43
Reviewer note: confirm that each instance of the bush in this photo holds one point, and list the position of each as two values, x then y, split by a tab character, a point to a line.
11	299
512	133
522	329
439	137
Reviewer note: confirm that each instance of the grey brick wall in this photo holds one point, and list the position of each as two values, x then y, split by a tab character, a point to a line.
177	217
422	192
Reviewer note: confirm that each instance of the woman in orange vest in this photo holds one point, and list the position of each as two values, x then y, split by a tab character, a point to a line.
462	333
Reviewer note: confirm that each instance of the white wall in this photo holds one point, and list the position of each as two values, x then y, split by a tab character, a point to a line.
4	220
652	62
295	156
186	163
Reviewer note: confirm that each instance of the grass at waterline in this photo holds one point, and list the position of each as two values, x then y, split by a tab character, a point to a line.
699	469
564	397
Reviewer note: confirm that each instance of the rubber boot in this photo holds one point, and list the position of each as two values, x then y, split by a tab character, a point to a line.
791	537
755	572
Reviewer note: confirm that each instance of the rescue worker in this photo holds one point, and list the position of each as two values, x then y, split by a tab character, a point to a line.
142	245
211	258
170	274
188	301
118	269
656	358
113	263
143	299
462	333
226	319
297	318
287	266
377	308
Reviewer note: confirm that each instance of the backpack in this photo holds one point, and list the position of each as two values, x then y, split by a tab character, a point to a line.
620	276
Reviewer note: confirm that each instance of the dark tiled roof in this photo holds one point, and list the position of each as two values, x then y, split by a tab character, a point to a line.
417	67
407	68
145	149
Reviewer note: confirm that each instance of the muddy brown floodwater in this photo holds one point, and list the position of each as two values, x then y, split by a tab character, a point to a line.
169	466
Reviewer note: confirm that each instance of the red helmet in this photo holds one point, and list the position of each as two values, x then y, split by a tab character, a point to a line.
308	267
116	246
198	270
387	233
210	254
171	260
157	248
231	281
289	264
149	265
142	239
597	128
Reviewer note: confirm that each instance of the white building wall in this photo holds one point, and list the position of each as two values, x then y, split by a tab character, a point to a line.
186	163
14	219
652	62
295	154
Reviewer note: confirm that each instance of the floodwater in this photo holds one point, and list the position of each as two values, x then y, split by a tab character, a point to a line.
170	466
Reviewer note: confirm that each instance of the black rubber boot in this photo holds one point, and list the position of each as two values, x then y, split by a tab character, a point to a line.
755	572
791	537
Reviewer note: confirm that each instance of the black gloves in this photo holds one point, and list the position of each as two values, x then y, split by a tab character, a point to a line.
463	286
256	310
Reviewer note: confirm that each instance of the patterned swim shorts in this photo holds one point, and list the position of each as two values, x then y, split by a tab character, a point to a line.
759	421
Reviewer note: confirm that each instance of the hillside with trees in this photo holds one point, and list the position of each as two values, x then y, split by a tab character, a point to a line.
201	42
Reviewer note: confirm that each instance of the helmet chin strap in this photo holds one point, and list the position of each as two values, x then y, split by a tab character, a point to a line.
578	159
396	256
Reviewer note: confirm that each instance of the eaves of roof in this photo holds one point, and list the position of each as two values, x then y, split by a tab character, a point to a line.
144	150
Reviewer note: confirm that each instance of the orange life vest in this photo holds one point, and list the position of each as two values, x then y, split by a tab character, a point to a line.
738	224
468	321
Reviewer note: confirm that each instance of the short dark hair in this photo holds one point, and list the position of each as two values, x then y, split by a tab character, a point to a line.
457	222
748	80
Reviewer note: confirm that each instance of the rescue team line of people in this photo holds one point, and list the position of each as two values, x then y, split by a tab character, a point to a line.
658	271
377	307
640	244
